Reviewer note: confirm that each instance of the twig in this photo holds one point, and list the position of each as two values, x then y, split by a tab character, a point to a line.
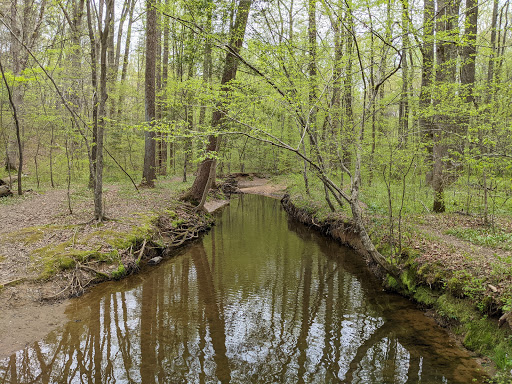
424	206
59	293
20	279
87	268
141	251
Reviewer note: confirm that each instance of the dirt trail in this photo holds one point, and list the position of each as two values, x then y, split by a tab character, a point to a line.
261	186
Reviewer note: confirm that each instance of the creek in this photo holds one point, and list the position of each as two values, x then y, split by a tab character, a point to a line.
259	299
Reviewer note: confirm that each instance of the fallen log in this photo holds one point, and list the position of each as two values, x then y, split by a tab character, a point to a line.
5	191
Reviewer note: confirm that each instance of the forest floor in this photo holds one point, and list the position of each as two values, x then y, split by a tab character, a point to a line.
38	228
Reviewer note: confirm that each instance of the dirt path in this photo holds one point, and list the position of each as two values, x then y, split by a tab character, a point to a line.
261	186
489	267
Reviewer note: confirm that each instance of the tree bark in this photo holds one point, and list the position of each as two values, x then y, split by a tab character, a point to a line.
403	112
149	172
126	55
490	67
104	72
17	124
162	169
468	69
207	63
95	101
446	53
427	53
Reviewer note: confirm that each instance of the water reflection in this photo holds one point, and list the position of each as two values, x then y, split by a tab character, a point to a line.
260	300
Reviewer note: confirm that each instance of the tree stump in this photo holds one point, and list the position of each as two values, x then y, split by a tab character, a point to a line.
5	191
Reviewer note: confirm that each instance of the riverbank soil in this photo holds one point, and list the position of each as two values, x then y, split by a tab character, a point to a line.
48	254
459	269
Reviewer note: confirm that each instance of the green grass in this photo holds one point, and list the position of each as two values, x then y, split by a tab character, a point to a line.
484	236
31	235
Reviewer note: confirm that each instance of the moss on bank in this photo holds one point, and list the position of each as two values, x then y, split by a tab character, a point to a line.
79	255
460	299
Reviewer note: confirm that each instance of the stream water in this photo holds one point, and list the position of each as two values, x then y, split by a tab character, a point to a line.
259	299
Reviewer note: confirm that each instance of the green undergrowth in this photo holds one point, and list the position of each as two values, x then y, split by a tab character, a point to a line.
489	237
460	298
314	203
478	331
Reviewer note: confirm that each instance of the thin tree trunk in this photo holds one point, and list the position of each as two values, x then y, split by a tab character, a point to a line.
468	69
158	85
149	173
52	143
492	57
446	51
312	129
207	63
427	52
17	124
403	112
126	54
189	116
104	69
95	101
165	73
348	120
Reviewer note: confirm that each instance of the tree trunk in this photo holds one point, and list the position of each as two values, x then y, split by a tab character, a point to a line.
126	54
490	67
158	85
348	120
165	73
403	111
446	53
468	69
311	122
95	101
17	124
104	71
149	173
229	73
188	144
207	63
427	52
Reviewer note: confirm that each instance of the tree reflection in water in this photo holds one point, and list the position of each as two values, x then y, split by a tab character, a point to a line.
259	299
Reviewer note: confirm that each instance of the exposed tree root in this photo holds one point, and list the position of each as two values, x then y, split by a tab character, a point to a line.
171	230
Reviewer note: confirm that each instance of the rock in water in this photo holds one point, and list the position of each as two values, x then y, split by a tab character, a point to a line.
155	260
